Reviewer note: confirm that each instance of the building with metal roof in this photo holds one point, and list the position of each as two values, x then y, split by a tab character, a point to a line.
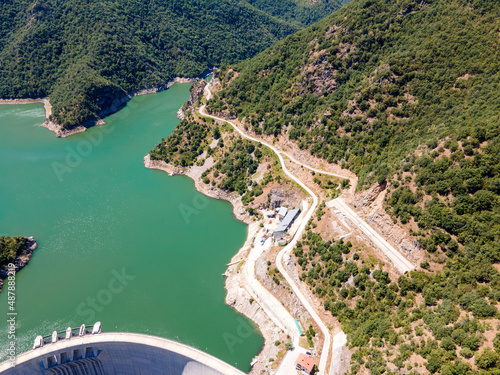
286	223
282	212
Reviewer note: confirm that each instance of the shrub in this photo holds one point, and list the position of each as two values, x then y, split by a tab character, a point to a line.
487	359
466	353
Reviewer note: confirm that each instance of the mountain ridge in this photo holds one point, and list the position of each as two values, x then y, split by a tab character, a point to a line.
85	54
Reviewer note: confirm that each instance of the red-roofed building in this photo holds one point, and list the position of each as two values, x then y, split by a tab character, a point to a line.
304	363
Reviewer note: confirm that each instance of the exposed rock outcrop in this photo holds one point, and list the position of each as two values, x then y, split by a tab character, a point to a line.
371	204
281	197
113	106
366	197
394	233
195	92
240	299
21	261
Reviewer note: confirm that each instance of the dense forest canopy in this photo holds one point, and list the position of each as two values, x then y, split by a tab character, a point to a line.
403	93
374	80
86	54
298	12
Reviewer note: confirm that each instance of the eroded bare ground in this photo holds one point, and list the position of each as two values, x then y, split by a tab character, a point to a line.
333	225
270	277
370	206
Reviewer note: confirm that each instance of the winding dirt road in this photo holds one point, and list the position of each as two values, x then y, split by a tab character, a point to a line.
287	249
268	300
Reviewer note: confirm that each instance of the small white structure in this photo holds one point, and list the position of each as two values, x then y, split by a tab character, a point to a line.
270	213
54	337
68	333
83	331
282	212
38	342
97	328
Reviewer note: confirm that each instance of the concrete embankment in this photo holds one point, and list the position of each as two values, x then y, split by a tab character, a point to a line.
117	354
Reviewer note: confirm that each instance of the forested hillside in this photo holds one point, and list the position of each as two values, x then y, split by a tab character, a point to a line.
375	80
402	93
298	12
86	54
406	95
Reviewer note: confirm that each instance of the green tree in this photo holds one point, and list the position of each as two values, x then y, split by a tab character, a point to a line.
487	359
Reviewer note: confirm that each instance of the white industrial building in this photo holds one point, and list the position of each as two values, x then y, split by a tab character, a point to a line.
286	223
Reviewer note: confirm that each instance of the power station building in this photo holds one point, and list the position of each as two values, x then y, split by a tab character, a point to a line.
286	223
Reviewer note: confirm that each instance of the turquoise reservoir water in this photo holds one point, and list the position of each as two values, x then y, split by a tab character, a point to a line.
132	247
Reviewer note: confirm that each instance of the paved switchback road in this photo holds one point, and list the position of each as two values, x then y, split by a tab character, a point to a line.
399	261
287	249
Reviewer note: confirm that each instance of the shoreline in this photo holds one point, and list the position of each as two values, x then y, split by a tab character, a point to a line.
118	104
237	295
238	210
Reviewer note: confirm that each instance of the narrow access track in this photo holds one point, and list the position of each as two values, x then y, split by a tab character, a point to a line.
400	262
273	307
322	367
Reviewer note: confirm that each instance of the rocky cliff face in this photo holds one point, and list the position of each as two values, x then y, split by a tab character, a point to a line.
195	92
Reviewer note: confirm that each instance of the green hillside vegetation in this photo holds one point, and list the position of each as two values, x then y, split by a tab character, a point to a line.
235	160
370	100
422	322
87	55
298	12
10	248
406	95
373	81
235	164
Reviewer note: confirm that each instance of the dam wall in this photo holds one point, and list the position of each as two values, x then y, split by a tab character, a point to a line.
117	353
